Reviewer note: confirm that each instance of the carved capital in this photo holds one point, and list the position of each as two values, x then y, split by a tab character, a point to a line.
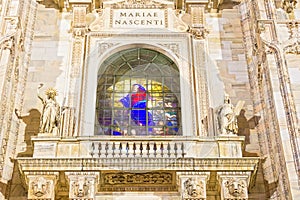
41	185
233	185
198	33
289	5
82	185
193	186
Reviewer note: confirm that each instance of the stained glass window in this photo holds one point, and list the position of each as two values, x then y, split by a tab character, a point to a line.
138	93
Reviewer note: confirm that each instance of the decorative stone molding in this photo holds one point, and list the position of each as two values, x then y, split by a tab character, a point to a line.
233	185
140	4
174	47
193	185
82	185
103	47
140	181
243	164
41	186
230	146
67	122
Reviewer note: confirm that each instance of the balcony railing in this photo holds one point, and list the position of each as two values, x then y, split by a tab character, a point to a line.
150	149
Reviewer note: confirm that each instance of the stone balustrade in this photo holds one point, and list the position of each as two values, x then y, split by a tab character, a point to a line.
137	147
153	149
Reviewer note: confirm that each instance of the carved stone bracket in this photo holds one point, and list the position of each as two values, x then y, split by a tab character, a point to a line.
193	185
41	185
233	185
82	185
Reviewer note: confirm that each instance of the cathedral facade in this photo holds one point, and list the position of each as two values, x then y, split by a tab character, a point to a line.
152	99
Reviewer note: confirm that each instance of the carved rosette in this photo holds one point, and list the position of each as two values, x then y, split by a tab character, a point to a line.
193	186
82	185
41	186
233	186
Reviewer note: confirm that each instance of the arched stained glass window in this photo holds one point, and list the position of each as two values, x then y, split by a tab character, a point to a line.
138	93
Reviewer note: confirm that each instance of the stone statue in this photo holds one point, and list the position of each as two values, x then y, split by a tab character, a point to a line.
50	113
227	118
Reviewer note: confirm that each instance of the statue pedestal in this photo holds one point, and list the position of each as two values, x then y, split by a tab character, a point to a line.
230	146
45	145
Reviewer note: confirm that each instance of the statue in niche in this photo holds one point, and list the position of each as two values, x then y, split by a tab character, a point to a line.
50	113
227	117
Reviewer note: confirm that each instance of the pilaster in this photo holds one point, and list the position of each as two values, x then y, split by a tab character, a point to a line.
79	28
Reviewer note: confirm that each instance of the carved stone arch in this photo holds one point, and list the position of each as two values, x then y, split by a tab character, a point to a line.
94	61
161	48
137	77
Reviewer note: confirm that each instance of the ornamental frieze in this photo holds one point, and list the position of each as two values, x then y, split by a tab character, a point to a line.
137	178
149	181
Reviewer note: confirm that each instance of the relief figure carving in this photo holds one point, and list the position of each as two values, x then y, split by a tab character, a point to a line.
40	187
80	188
235	187
193	188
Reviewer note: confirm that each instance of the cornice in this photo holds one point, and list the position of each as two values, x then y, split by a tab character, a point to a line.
142	164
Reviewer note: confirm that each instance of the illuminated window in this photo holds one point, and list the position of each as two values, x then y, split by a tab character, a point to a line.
138	93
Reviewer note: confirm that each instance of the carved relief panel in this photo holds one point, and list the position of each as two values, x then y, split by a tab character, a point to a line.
41	186
193	186
82	185
233	187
